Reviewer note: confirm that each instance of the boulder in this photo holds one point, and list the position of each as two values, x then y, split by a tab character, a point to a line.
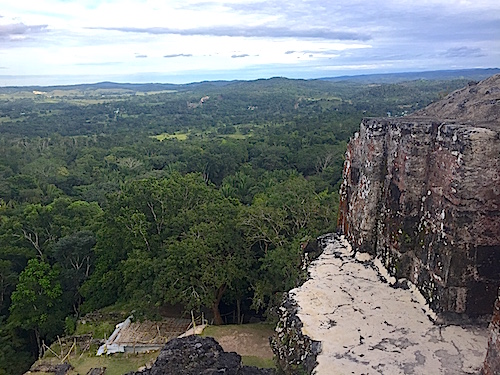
195	355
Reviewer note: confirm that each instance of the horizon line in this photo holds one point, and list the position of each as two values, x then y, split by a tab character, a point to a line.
228	80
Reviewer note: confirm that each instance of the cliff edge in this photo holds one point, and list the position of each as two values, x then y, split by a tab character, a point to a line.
422	193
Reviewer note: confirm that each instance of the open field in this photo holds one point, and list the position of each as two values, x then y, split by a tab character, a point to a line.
178	136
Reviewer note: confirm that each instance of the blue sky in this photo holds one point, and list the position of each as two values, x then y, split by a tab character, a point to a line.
67	41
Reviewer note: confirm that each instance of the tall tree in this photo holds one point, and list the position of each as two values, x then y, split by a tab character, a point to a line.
35	301
75	256
210	259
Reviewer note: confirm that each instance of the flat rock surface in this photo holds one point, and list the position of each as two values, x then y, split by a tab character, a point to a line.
367	326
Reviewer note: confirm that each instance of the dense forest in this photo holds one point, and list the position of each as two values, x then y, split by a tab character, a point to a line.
199	195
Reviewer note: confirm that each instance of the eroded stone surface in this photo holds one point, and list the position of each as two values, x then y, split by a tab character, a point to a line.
474	104
367	326
492	361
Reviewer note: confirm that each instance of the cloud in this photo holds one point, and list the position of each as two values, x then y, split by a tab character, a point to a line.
178	55
250	31
104	63
314	52
463	52
15	30
239	56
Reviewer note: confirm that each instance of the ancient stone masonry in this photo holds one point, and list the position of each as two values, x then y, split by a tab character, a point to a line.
294	351
422	193
492	362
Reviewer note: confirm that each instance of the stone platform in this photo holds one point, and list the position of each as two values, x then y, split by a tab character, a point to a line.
366	325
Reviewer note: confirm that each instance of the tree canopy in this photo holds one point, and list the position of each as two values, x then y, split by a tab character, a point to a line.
108	196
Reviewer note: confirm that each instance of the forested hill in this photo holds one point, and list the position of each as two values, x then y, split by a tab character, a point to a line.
198	194
471	74
386	78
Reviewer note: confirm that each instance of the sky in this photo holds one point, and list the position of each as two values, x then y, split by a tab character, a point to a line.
83	41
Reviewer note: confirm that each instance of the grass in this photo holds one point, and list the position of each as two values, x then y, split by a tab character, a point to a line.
258	362
117	364
237	136
178	136
260	329
99	330
184	136
139	93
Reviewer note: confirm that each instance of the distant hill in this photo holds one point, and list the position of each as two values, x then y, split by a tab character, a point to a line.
472	74
389	78
131	87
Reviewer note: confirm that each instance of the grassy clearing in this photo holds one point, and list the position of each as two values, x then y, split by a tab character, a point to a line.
248	340
257	329
178	136
184	136
236	136
99	330
139	93
259	362
117	364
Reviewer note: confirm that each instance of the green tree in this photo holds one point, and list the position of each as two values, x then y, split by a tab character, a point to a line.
209	260
35	301
278	221
74	255
15	357
8	279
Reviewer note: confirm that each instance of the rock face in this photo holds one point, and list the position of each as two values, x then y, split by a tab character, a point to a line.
474	104
295	352
195	355
422	193
492	362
